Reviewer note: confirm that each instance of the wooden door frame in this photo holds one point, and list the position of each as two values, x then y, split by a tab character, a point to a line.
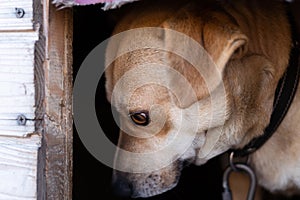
53	80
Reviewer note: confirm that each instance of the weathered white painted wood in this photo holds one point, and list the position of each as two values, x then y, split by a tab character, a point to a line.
18	143
9	68
17	89
14	37
8	19
10	116
21	104
18	167
11	128
17	50
16	77
18	63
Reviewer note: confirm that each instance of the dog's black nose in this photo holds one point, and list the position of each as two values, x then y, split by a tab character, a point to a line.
121	187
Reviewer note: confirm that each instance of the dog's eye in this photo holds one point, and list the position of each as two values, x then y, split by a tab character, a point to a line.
140	118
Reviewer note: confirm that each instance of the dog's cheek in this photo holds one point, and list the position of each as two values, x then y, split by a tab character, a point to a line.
190	154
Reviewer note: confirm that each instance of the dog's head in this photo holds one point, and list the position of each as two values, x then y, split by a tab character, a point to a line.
182	96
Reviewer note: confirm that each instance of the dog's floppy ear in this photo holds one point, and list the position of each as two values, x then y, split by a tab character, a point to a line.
223	42
218	40
219	36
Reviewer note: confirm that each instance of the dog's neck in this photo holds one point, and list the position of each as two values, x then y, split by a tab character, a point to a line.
277	159
277	156
285	92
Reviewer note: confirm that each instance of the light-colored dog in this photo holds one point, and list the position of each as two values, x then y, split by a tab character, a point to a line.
221	104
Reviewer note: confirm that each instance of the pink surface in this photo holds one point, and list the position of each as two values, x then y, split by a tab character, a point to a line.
86	2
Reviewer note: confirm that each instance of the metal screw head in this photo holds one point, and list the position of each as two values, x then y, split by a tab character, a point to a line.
21	119
20	12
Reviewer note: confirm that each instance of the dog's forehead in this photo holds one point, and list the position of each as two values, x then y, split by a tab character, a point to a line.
147	77
141	57
194	65
143	97
146	96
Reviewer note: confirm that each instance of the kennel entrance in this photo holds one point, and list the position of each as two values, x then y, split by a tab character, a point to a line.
36	130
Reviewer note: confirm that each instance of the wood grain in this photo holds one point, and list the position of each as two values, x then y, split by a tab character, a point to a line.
18	167
17	87
54	82
18	143
35	81
8	19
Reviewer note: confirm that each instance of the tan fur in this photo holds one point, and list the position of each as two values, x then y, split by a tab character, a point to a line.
250	42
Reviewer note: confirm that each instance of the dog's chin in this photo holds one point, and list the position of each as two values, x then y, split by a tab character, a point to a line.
147	192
